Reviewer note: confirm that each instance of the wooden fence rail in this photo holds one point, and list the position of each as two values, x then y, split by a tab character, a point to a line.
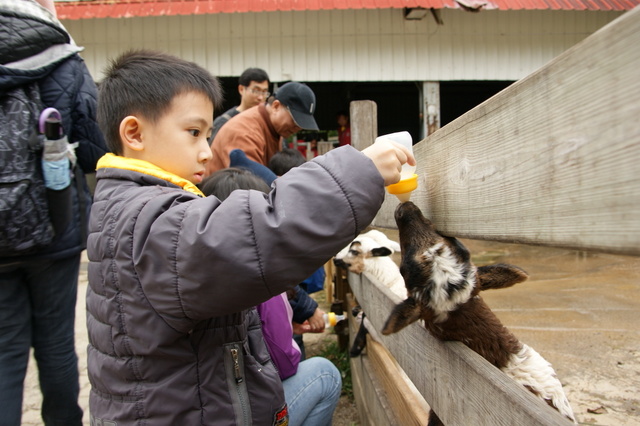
552	160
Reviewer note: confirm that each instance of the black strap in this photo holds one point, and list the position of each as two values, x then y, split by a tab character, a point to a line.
82	203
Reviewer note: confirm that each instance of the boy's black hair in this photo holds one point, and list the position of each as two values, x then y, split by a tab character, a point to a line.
144	83
253	74
223	182
283	161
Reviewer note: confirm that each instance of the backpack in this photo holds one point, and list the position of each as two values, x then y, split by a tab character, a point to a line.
25	224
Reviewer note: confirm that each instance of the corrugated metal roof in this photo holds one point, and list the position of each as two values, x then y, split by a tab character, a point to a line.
129	8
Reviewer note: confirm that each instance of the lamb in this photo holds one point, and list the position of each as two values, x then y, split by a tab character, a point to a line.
368	254
443	287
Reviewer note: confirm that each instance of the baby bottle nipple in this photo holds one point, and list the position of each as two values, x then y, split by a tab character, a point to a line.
331	318
408	178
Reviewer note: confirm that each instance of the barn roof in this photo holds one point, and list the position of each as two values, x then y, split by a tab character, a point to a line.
86	9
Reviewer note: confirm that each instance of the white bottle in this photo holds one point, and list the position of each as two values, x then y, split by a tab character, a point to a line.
331	319
404	139
408	178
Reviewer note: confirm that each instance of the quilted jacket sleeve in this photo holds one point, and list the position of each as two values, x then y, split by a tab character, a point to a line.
204	258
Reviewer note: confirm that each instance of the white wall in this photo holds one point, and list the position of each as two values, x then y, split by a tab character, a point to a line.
349	45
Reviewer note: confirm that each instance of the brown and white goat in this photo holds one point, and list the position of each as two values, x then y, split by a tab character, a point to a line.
443	287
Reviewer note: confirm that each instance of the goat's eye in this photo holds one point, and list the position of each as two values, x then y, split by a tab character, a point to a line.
353	252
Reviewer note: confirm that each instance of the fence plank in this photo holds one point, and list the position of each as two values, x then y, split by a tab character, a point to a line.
462	387
552	159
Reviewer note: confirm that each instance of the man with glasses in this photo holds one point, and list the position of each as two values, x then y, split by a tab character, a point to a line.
253	86
258	130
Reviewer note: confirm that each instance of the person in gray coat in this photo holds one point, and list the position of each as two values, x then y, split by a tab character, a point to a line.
174	277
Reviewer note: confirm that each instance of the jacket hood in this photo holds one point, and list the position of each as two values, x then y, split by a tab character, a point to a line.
32	42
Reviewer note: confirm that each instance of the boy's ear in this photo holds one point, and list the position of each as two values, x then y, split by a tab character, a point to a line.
131	133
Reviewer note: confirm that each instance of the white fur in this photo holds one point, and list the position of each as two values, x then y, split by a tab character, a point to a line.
529	369
446	268
380	268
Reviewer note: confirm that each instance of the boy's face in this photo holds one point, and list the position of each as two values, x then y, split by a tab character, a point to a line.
177	142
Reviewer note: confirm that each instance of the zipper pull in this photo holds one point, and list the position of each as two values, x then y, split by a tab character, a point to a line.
236	366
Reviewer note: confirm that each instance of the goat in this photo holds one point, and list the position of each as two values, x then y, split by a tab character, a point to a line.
443	287
369	254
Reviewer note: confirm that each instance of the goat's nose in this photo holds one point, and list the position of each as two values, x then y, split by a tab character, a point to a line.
341	263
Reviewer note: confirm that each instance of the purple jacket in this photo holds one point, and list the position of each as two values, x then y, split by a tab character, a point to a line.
276	316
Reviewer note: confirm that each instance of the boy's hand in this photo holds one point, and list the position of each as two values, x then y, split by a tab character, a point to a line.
389	157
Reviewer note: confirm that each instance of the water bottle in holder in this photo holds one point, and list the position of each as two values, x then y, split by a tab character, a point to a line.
58	158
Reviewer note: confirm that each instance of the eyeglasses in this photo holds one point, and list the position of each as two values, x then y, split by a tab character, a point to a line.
257	91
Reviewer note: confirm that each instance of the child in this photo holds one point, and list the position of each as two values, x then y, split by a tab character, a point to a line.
173	275
312	387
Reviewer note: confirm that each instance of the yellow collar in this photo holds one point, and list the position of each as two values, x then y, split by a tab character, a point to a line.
110	160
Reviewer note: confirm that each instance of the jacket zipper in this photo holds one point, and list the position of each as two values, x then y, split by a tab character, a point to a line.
236	377
236	366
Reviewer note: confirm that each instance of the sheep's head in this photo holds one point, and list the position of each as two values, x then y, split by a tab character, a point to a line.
370	244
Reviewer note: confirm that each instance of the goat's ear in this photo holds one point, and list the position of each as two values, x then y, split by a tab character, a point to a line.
381	251
405	313
500	275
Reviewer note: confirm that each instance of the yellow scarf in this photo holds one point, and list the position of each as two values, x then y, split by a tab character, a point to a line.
116	162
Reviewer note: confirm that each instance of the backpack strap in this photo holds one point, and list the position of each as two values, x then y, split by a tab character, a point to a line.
82	203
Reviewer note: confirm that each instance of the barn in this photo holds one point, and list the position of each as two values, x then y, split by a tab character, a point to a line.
424	62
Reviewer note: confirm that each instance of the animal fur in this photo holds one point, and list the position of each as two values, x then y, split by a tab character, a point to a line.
369	254
443	287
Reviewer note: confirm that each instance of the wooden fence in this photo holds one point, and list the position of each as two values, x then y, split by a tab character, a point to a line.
552	160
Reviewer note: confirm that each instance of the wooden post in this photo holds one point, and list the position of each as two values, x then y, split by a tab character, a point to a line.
364	123
431	90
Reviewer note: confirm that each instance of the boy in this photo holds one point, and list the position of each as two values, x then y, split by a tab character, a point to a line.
173	276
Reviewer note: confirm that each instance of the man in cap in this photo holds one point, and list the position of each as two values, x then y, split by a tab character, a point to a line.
258	130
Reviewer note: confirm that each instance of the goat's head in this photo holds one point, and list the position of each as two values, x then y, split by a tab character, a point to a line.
370	244
438	271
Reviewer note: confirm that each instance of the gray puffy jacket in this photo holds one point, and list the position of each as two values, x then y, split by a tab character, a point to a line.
172	275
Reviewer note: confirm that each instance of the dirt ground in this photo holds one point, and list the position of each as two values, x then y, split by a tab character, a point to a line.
578	310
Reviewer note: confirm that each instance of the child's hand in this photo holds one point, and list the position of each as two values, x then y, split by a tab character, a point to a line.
389	157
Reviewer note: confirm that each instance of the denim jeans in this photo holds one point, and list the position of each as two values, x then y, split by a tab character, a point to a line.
37	309
313	392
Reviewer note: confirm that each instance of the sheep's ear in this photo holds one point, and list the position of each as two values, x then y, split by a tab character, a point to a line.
395	246
500	275
405	313
381	251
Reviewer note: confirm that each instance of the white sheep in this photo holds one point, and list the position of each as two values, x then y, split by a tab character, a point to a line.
369	254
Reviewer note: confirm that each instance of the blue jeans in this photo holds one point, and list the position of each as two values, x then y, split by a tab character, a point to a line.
313	392
37	309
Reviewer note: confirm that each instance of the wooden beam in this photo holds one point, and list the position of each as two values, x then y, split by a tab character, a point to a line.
461	387
552	160
364	130
432	112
